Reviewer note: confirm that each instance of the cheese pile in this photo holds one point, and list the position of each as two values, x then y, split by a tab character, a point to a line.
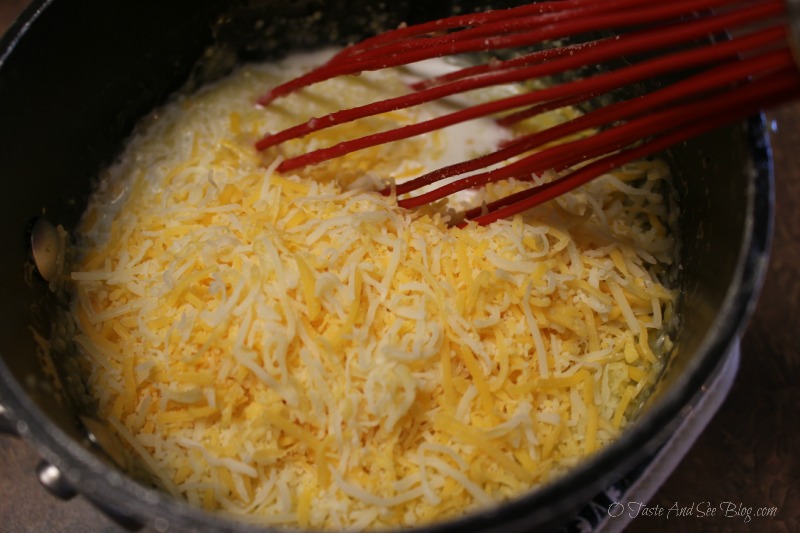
299	350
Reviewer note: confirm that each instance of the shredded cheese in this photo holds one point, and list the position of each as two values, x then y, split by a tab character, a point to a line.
298	349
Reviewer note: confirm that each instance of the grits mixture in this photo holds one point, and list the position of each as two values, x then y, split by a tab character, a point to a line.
297	350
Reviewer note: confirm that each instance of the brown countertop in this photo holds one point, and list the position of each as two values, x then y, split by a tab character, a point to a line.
749	455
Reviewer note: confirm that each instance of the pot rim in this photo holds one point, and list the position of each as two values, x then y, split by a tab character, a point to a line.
125	497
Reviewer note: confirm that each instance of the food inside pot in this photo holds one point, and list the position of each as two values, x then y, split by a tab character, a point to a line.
296	348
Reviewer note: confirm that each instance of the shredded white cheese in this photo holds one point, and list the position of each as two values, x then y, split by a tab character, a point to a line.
298	349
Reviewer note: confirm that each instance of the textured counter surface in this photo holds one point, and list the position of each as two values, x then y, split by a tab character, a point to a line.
748	458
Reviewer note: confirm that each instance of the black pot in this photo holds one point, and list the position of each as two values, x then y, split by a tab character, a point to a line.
75	77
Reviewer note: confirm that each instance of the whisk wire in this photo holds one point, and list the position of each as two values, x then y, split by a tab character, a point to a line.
569	8
512	36
604	82
516	70
567	154
698	118
736	77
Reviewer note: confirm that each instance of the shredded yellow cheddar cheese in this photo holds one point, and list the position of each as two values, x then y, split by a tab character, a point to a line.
299	349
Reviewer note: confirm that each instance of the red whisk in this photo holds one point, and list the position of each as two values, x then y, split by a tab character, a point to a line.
731	78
